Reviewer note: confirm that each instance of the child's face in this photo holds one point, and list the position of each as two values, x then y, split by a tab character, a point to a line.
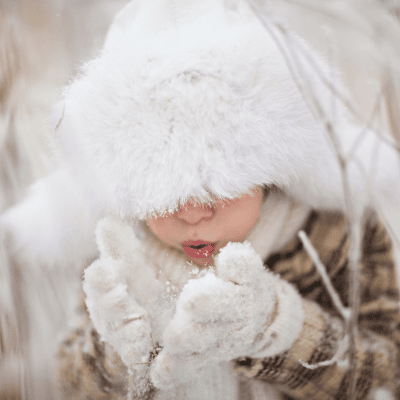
202	231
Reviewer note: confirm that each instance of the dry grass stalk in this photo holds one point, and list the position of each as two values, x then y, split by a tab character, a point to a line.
343	311
337	302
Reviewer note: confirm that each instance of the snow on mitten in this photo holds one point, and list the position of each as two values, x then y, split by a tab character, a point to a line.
241	310
117	316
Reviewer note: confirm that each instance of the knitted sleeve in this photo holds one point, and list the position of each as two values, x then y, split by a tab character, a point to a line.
89	368
378	340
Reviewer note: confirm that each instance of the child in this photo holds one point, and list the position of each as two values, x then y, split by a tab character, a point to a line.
191	152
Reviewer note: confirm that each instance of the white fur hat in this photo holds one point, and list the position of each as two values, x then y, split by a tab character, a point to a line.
194	99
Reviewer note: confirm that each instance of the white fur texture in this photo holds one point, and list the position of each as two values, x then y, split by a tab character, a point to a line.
115	313
217	317
53	226
204	106
287	325
117	286
225	316
123	283
219	382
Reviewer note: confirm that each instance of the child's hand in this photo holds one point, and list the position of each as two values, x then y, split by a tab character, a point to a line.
222	317
115	313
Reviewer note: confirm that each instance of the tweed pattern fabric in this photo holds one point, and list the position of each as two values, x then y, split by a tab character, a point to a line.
378	339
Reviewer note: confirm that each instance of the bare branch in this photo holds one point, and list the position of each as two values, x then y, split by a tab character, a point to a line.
291	52
336	359
60	120
376	110
343	311
131	371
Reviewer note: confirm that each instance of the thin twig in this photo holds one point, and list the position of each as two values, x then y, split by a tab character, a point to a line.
352	215
343	311
330	85
341	351
60	120
394	235
376	110
154	355
297	70
346	101
131	370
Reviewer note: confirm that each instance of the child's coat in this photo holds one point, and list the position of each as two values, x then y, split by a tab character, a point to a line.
86	361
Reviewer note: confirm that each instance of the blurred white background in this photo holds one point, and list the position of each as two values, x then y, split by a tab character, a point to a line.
42	45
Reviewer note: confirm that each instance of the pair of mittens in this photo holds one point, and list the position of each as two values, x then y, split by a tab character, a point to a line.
237	309
219	317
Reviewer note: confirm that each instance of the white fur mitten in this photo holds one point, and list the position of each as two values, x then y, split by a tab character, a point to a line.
242	310
110	284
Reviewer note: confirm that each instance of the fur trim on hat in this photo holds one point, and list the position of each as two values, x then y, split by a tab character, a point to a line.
202	110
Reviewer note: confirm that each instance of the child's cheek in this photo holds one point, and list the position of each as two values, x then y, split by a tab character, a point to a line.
165	229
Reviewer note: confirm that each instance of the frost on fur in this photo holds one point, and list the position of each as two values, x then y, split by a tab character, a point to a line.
119	319
217	319
115	238
126	302
116	314
209	117
238	263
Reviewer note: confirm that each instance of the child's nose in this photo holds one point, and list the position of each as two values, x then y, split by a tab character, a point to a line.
193	214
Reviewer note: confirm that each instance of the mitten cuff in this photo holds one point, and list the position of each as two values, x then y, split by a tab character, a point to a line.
287	323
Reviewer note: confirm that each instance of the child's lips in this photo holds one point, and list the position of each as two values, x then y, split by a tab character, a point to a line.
198	248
